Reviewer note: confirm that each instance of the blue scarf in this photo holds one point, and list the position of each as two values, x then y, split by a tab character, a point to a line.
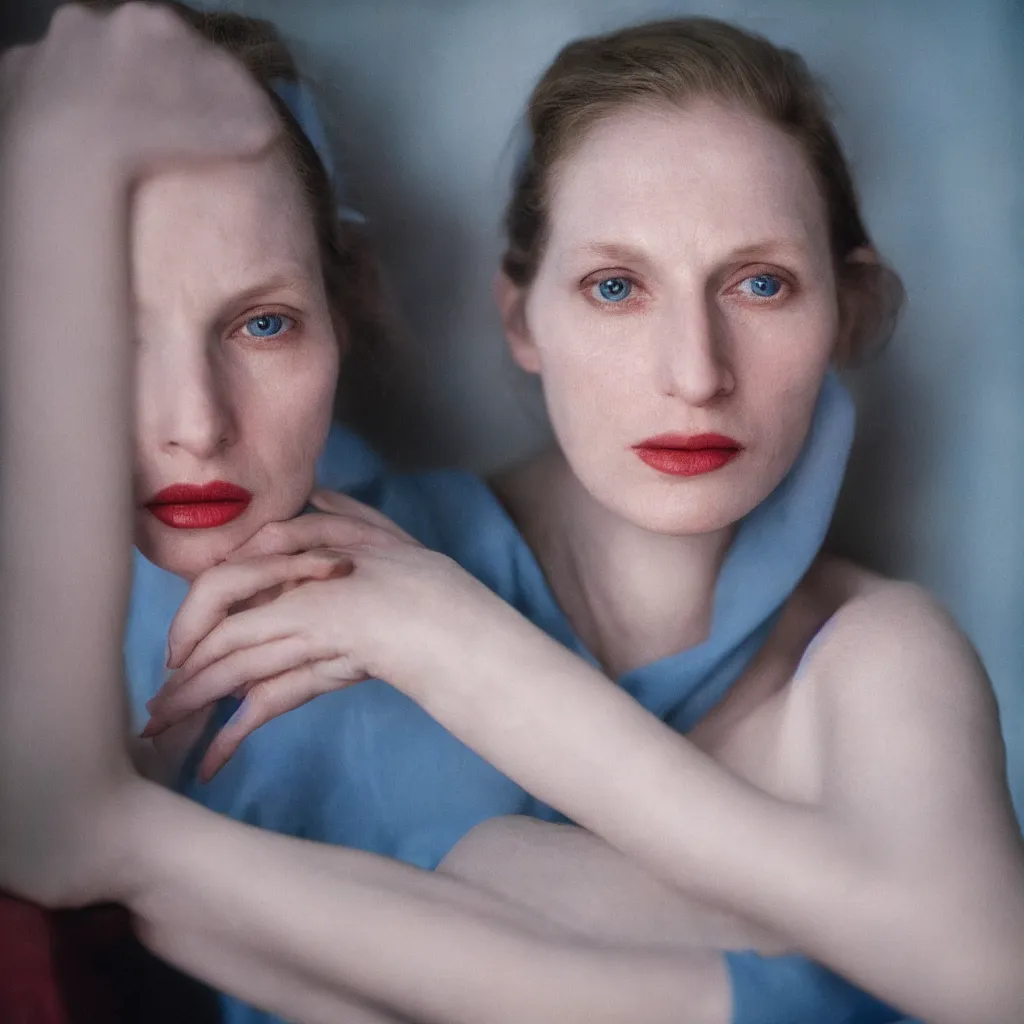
772	549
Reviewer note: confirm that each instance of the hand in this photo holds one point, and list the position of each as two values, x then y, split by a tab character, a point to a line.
276	560
394	612
258	571
345	522
134	89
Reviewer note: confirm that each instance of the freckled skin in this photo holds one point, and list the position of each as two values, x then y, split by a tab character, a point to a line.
893	822
217	399
692	349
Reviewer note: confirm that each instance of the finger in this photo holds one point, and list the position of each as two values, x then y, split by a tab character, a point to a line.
337	504
265	701
174	745
216	592
247	629
180	697
275	621
319	531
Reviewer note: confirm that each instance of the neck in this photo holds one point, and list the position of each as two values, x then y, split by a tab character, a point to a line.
632	596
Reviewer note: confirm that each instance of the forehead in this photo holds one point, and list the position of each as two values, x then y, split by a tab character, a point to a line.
705	174
220	223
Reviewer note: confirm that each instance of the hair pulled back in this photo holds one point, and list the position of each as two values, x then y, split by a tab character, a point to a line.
675	62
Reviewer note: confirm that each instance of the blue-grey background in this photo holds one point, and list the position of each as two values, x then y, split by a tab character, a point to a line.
421	99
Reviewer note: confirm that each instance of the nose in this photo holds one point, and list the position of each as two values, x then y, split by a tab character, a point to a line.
693	357
184	401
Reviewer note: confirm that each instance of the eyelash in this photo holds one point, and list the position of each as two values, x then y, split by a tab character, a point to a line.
785	287
590	283
246	319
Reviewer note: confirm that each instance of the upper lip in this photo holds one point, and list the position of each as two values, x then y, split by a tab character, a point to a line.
186	494
691	442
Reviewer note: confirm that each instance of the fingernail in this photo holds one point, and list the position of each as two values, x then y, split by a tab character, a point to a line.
150	729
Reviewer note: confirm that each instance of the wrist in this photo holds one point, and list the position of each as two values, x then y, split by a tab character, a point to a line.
451	657
40	156
430	651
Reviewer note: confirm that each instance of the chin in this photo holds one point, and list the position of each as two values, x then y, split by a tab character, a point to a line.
688	522
188	553
187	557
706	507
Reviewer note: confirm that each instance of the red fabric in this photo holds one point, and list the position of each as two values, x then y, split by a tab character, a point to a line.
61	967
28	983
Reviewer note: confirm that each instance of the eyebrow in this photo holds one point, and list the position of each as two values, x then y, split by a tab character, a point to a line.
614	251
769	247
624	253
295	279
292	279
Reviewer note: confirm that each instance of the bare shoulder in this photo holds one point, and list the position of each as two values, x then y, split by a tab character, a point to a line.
892	630
907	715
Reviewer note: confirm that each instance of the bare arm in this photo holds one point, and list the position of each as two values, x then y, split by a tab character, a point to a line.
907	876
297	928
291	925
64	509
287	924
898	861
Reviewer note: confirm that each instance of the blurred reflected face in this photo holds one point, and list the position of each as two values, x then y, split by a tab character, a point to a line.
237	358
684	313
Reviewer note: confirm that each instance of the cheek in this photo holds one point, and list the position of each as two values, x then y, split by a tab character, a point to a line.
586	366
780	362
580	393
290	421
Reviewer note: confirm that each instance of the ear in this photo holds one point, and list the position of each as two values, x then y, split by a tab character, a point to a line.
511	301
864	254
343	336
855	291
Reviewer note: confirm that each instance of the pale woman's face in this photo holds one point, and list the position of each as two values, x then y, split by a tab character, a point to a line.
683	315
237	359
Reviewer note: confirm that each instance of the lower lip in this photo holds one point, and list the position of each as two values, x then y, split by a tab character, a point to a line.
687	462
198	515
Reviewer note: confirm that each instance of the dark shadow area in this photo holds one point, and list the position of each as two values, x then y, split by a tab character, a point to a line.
394	397
22	21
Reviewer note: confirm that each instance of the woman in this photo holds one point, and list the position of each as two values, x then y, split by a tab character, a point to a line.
546	712
367	768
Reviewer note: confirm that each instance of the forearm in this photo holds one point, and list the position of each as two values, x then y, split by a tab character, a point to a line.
574	739
65	436
815	874
300	928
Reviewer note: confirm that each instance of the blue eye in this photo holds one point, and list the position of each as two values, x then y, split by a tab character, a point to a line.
614	289
764	286
268	325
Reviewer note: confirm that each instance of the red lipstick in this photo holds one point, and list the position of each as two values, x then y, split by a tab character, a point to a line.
199	507
679	455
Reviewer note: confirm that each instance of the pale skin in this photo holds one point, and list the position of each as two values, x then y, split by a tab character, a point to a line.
865	800
65	283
